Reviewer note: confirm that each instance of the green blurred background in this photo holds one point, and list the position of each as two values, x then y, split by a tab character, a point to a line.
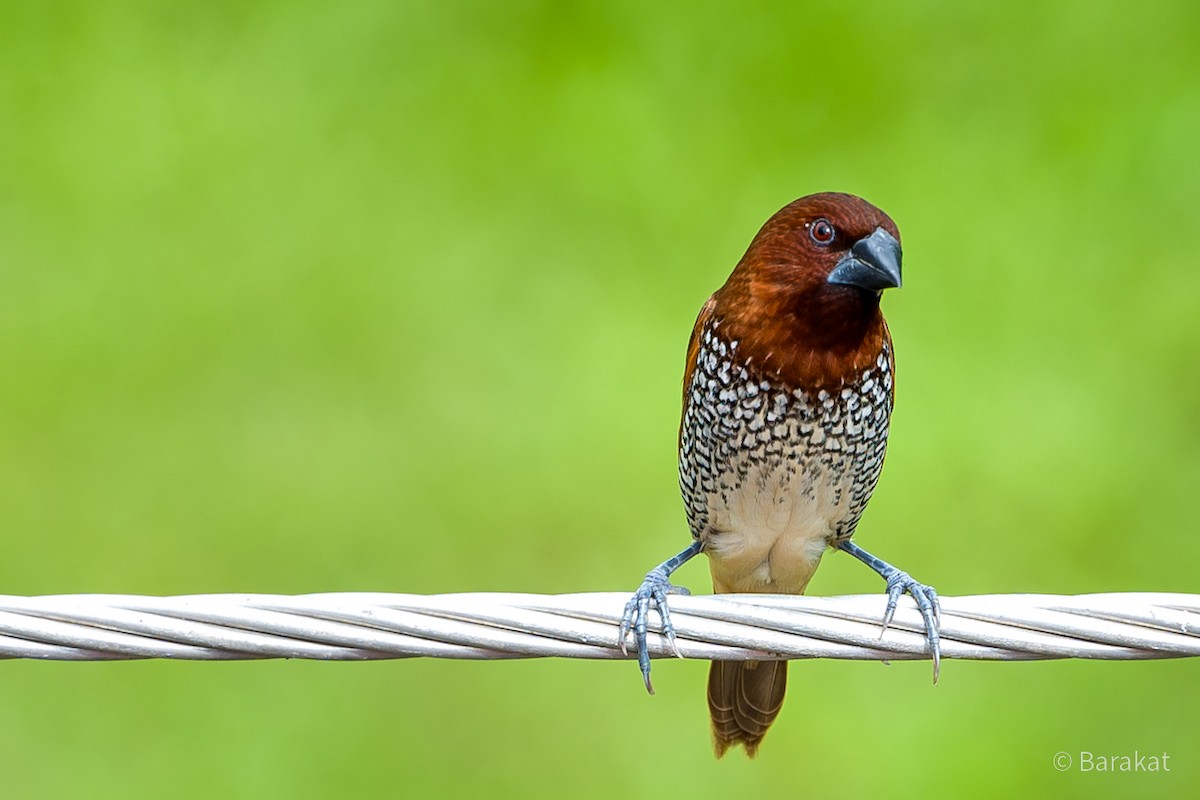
317	296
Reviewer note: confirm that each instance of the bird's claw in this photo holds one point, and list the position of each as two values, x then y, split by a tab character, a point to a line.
899	583
654	589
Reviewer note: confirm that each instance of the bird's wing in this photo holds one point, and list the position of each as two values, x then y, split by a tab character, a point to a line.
693	351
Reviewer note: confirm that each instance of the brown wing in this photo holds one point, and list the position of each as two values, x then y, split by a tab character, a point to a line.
693	352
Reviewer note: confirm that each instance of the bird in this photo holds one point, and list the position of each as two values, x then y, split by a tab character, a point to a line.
788	390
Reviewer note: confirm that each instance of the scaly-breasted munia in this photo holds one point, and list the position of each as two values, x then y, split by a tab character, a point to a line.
787	396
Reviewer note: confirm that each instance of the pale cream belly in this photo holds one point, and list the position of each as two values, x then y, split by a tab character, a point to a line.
769	532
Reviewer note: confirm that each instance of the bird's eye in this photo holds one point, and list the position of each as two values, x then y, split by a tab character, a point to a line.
821	232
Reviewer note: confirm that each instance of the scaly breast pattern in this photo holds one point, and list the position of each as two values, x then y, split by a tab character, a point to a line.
772	475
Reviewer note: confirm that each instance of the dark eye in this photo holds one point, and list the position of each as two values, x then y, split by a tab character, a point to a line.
821	232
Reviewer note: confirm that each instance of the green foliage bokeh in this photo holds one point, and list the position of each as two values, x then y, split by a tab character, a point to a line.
394	296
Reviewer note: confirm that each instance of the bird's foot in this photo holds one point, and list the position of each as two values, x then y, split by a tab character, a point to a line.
654	590
899	583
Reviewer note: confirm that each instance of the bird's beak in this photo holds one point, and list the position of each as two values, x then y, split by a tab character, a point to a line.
873	263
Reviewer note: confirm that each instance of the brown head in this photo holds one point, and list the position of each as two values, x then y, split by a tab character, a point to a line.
803	303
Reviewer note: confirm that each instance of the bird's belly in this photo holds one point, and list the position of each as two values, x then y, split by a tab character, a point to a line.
771	476
770	525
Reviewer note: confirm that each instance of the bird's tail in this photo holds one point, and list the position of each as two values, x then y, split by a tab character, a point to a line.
744	697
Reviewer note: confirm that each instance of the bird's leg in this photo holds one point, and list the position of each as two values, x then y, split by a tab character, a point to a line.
654	589
900	582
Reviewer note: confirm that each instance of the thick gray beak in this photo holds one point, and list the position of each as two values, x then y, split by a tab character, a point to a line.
873	263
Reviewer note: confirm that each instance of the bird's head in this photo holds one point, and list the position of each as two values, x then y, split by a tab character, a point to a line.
807	290
821	243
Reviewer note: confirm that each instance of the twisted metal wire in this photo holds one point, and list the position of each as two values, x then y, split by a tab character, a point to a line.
365	626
